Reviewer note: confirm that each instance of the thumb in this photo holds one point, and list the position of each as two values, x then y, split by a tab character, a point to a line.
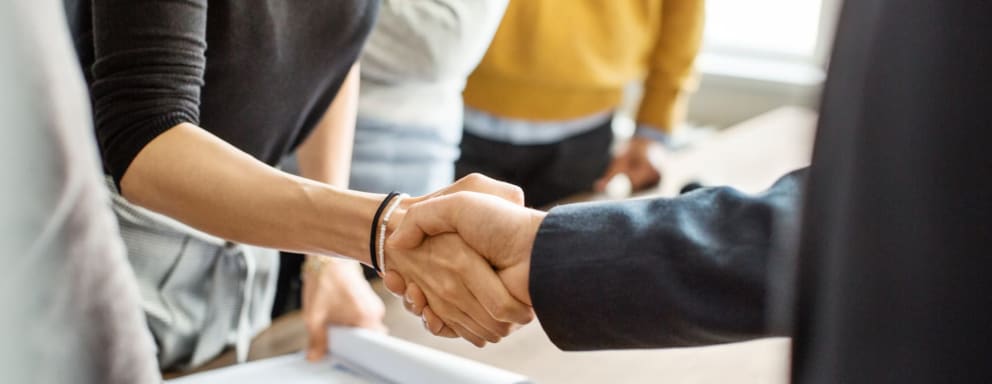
317	344
426	218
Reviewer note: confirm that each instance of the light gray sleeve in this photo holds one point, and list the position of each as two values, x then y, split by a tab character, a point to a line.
70	302
430	40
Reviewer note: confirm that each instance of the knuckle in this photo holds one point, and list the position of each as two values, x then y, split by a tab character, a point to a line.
475	178
448	288
515	193
460	197
527	317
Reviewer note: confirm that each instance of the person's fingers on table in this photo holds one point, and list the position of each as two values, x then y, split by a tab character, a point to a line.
316	339
395	283
315	323
643	175
617	166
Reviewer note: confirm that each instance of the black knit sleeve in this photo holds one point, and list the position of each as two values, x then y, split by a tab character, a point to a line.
147	72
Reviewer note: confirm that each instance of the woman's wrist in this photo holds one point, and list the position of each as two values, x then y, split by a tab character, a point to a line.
338	221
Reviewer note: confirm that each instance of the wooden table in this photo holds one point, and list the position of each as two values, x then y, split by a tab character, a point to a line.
749	156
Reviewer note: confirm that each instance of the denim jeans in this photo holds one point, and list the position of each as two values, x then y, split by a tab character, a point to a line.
405	158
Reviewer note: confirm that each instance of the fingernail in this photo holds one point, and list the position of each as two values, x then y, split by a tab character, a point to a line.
407	298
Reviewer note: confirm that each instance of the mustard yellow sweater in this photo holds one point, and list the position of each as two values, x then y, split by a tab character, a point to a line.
564	59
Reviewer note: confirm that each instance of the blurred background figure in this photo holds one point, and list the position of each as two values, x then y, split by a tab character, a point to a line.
540	106
409	122
71	311
414	67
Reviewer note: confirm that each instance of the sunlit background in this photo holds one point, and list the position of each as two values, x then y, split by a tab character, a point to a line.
761	54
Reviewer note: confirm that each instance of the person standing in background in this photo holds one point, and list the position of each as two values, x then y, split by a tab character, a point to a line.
409	119
539	107
71	308
413	72
189	138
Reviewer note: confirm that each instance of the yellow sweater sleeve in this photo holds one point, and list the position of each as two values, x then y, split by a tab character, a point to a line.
671	75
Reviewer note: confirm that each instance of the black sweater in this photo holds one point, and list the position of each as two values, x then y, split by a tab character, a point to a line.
257	74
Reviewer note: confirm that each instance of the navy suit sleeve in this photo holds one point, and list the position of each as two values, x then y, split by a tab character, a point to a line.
660	272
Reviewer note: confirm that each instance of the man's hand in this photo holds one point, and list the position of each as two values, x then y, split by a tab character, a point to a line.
476	183
635	161
502	232
336	293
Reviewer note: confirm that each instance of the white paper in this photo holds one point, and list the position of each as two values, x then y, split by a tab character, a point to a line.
362	357
284	369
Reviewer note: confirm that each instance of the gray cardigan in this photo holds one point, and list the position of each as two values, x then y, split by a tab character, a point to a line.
417	58
414	67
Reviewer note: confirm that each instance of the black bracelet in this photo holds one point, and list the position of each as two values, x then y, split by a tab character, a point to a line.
375	226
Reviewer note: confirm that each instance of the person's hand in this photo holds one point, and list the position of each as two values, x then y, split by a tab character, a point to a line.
336	293
501	231
475	183
462	286
635	161
481	326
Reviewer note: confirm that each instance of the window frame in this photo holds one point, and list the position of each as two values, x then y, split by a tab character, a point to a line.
826	24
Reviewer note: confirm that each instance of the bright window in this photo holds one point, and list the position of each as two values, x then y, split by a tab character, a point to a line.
769	28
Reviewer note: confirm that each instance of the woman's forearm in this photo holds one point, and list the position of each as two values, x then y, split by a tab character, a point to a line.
325	156
188	174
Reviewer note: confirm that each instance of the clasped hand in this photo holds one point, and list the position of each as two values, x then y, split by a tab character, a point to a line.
461	260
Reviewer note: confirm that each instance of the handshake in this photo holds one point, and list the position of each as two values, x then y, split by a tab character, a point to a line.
460	258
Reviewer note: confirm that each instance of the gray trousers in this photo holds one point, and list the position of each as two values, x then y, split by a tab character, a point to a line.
200	293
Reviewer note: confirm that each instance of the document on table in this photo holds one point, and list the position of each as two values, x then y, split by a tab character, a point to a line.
360	356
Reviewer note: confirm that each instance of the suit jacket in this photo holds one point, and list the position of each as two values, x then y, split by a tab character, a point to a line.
892	254
659	272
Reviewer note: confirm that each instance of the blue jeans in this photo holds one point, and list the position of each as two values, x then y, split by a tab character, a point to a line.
406	158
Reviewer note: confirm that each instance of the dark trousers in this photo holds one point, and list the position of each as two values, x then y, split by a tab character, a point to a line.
546	172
